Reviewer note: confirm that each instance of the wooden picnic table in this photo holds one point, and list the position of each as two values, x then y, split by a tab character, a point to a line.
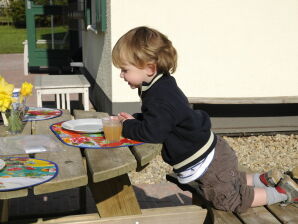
72	172
108	173
104	171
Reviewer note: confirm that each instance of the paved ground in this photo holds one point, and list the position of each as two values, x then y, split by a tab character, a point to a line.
12	69
149	196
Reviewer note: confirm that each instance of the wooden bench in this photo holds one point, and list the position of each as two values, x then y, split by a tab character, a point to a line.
188	214
258	215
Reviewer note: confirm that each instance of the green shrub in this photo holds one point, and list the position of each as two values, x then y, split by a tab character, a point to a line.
2	11
17	13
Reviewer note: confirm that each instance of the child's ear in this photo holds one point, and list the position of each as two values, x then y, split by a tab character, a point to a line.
151	69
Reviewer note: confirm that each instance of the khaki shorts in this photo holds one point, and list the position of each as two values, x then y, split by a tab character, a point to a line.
222	184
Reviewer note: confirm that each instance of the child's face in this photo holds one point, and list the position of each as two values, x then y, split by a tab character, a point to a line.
135	76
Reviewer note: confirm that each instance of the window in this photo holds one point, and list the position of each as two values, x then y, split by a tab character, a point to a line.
95	15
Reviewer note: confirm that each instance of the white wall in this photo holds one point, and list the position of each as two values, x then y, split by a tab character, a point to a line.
226	48
97	56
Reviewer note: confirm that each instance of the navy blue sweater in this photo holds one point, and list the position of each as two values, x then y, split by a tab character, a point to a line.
168	119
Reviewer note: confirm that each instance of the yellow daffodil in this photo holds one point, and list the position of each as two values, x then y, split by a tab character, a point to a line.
13	118
26	89
5	88
5	102
6	92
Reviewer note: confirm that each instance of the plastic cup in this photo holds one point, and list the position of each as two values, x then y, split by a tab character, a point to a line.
112	128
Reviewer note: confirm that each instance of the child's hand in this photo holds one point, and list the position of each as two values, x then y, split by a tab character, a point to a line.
124	116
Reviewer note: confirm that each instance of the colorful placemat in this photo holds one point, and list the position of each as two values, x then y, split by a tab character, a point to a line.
23	172
91	141
40	113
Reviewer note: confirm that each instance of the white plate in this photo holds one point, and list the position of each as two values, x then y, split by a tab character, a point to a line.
2	164
91	125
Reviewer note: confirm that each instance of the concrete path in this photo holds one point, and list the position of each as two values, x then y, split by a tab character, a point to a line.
12	69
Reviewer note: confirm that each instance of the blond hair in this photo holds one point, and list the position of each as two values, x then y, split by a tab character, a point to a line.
143	45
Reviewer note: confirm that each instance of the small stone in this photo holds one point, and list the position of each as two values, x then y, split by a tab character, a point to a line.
295	172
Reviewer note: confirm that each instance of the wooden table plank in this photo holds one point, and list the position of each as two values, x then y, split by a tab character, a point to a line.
104	164
13	194
259	215
222	217
72	172
188	214
145	153
287	214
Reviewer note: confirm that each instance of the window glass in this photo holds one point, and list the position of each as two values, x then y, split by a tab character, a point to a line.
51	32
50	2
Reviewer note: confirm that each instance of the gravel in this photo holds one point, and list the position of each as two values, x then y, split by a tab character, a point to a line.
257	153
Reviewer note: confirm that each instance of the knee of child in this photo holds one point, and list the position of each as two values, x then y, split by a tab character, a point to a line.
235	201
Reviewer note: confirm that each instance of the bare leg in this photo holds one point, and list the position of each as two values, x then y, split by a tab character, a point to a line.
249	179
260	196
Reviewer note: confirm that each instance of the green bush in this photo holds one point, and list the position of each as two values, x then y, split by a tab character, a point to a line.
2	11
17	13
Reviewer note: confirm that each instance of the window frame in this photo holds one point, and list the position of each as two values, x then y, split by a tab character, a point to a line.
95	15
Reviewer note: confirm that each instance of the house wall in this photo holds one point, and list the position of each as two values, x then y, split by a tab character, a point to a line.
227	48
96	49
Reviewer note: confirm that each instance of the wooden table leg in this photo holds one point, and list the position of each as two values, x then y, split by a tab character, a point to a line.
4	211
115	197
